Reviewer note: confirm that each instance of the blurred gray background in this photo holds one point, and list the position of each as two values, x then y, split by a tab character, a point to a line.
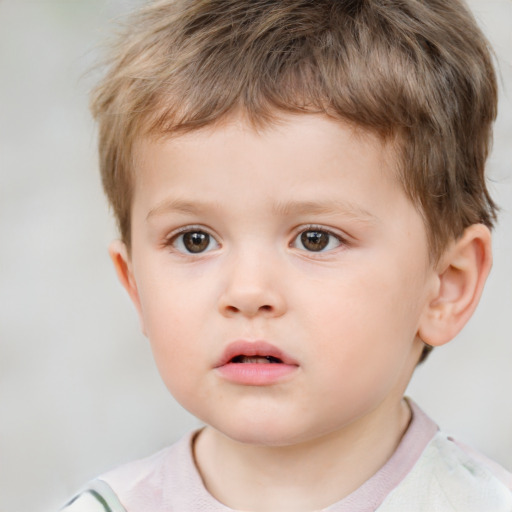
78	389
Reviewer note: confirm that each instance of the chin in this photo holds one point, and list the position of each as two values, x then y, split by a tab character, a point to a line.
263	433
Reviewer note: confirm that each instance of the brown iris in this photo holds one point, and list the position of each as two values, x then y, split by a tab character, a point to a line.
196	241
314	240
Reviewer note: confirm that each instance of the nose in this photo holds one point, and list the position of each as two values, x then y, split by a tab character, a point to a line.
252	288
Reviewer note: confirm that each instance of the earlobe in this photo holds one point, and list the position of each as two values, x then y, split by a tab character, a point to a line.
124	269
461	275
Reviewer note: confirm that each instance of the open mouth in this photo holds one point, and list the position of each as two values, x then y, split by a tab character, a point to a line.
255	363
242	359
259	352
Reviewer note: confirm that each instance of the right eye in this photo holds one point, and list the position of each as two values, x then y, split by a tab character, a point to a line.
316	239
194	242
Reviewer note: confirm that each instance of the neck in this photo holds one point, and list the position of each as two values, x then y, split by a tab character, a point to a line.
306	476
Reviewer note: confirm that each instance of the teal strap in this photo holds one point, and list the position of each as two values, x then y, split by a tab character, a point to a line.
102	493
106	496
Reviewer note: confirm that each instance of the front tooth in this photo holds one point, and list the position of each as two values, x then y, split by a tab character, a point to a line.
254	359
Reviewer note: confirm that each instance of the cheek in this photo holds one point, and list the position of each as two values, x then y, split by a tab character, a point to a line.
364	316
362	336
171	316
172	300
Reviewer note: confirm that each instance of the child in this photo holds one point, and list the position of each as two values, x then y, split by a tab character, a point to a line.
300	192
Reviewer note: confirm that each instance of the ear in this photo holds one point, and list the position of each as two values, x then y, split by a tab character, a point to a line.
461	275
122	263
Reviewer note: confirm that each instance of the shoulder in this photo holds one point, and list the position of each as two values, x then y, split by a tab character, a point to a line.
84	503
96	497
162	481
156	479
451	477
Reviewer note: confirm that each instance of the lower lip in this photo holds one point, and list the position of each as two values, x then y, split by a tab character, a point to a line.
256	374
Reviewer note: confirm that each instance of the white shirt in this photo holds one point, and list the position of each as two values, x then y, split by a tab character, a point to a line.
428	472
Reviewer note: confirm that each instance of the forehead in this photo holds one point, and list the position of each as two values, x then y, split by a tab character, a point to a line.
300	165
306	142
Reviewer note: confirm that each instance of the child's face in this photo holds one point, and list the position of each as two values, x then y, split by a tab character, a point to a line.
298	237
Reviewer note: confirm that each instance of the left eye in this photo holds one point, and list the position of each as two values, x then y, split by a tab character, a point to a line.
194	242
316	240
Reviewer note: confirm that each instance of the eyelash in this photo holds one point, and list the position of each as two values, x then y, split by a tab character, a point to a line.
340	240
177	237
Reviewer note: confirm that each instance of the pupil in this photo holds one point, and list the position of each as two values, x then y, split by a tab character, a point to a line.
314	240
196	241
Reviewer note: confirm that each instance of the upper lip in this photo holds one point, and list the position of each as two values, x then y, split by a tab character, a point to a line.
253	348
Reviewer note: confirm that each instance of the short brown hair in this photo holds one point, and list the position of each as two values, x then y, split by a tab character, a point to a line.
417	72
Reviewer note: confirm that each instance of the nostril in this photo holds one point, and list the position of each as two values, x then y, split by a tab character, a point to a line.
234	310
250	303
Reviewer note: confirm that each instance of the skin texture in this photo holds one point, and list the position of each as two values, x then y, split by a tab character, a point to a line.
350	316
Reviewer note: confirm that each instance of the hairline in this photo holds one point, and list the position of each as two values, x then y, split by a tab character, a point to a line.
273	116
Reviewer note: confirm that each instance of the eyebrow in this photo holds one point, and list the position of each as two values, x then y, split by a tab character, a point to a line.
181	206
324	207
285	209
